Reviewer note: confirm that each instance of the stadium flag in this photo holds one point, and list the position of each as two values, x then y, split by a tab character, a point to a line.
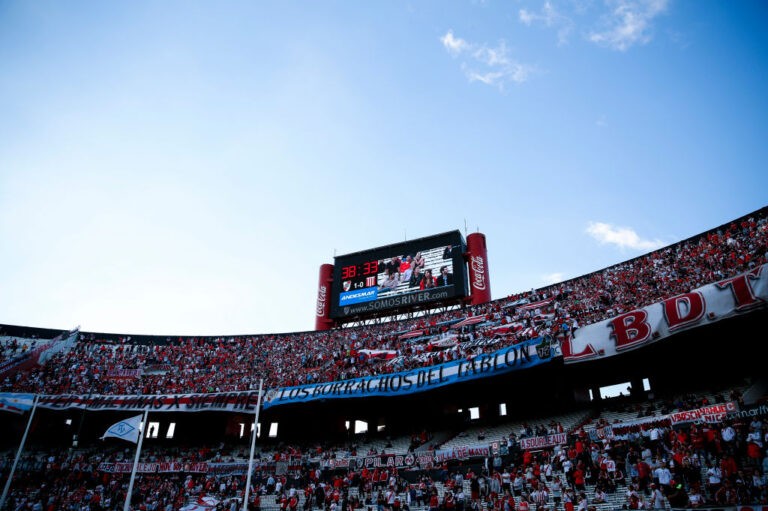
128	429
138	429
18	455
203	504
38	355
473	320
60	343
16	403
253	448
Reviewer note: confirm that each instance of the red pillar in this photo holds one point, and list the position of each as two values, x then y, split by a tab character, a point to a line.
477	258
323	319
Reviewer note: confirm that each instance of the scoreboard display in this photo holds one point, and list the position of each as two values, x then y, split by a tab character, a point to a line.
399	276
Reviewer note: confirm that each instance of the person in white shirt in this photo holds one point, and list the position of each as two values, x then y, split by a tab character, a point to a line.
582	503
647	455
546	471
567	466
695	498
714	479
599	497
657	498
663	476
505	479
754	436
654	435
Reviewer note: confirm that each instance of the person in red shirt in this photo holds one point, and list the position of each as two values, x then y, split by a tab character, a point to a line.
527	458
643	475
728	467
449	503
578	478
581	451
434	501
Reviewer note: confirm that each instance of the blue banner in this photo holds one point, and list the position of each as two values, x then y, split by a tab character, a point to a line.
512	358
363	295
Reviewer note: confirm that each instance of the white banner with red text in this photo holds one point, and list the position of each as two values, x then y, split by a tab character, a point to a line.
542	442
703	306
409	460
213	402
705	414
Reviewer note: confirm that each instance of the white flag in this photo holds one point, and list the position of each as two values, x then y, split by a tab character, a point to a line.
128	429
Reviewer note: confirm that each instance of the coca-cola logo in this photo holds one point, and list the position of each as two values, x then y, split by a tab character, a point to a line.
478	272
321	294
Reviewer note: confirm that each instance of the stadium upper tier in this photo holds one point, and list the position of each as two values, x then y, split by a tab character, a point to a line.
109	364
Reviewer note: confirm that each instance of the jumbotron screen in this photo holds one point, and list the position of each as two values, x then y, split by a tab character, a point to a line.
399	276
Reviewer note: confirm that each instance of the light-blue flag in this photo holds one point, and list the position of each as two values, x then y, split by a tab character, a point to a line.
16	403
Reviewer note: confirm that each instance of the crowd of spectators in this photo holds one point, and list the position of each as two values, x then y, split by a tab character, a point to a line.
12	347
714	464
654	465
227	364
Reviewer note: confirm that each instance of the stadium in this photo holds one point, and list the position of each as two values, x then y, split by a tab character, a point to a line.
443	401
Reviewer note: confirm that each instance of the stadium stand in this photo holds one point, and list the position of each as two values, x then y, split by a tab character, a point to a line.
615	449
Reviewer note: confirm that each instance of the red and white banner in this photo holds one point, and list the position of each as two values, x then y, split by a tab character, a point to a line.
38	355
601	433
709	414
204	503
533	305
507	329
409	459
638	328
462	453
153	468
473	320
124	373
541	442
444	342
214	402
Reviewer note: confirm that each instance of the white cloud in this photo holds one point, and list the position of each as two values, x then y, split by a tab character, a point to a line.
630	22
550	17
491	65
623	237
527	17
452	44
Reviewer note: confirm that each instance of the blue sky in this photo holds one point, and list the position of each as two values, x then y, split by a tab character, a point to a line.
186	167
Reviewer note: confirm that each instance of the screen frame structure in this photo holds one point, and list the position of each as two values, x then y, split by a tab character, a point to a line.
404	300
